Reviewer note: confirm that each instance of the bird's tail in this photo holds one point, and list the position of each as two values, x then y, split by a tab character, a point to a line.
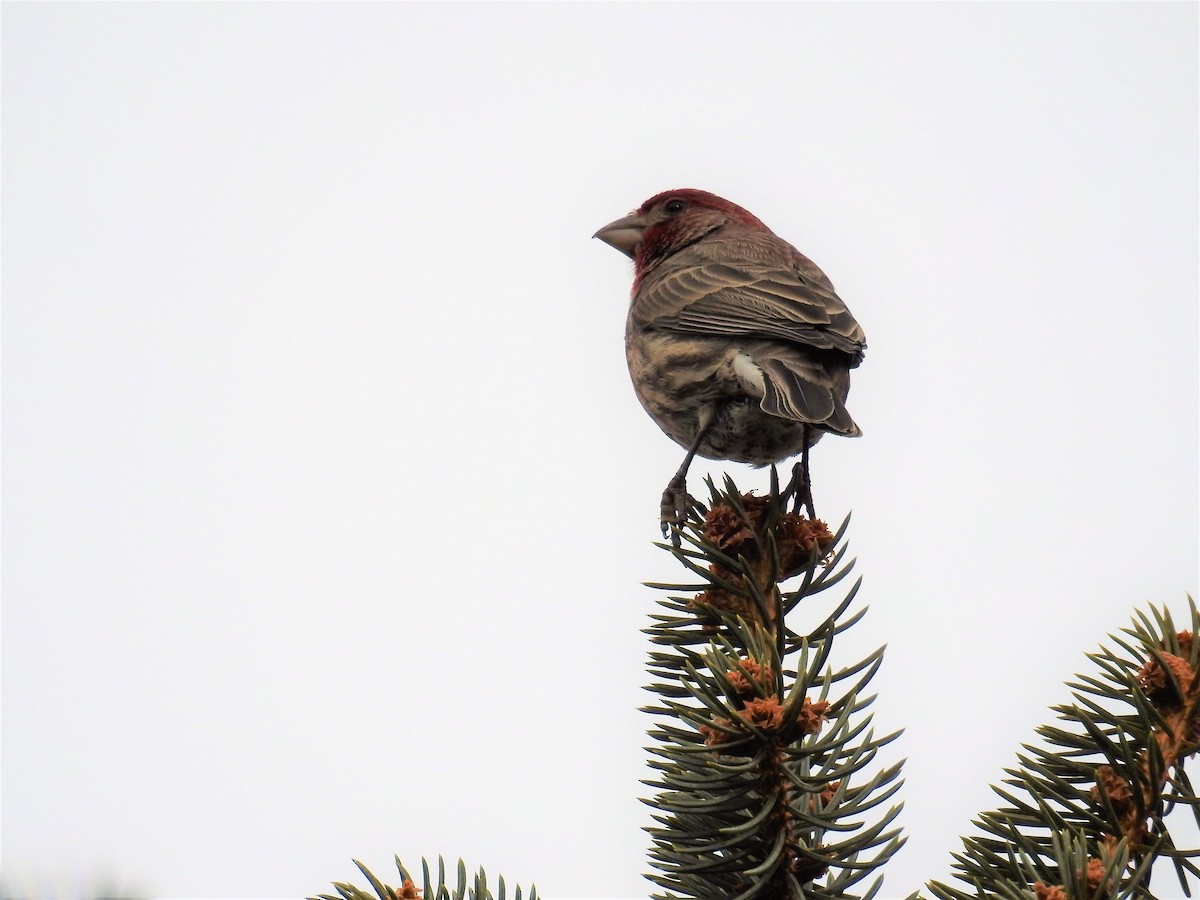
806	391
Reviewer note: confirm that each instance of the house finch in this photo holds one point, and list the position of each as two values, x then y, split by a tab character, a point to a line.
737	345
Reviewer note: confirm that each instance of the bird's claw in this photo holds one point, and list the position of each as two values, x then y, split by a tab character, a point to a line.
673	509
800	488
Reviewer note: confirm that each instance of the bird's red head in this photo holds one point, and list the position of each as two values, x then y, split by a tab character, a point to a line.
670	221
696	199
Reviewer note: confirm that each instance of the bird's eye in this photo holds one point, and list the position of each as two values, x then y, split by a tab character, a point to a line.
674	207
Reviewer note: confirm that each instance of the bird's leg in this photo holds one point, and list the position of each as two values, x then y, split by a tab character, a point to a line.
804	494
675	501
799	487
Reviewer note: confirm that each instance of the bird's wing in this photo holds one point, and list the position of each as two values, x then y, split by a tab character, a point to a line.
751	300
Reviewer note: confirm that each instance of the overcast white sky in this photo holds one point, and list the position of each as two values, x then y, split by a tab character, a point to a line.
326	497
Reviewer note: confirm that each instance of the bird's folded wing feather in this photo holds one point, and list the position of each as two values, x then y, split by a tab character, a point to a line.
752	300
796	389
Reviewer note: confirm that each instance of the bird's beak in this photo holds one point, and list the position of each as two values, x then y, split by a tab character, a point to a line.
624	234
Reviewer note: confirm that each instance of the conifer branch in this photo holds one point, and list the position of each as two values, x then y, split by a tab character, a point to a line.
763	749
431	888
1087	811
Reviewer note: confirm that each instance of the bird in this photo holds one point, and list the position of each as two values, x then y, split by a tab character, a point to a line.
737	344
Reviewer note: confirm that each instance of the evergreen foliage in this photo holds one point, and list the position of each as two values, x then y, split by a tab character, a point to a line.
431	888
765	774
764	752
1086	813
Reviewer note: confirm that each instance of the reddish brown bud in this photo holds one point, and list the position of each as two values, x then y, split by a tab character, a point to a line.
1094	875
1046	892
755	507
408	891
1185	639
828	791
719	598
740	684
824	797
764	713
796	537
725	528
760	673
805	868
812	716
1157	685
1120	794
714	735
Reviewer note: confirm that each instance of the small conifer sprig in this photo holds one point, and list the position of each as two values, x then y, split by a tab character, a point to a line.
764	752
432	888
1087	810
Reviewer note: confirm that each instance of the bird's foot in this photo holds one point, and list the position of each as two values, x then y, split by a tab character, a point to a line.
800	487
674	508
794	488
